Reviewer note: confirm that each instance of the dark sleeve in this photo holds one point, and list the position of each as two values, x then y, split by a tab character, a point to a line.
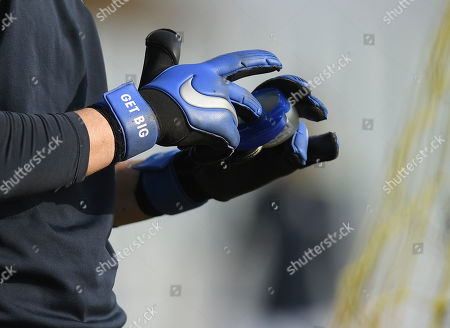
41	153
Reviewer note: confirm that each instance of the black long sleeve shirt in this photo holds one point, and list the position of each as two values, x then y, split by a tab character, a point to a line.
54	223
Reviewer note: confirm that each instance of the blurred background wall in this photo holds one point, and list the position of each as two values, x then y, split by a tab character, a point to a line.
224	265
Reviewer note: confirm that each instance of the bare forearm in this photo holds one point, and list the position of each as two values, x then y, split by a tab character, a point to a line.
127	210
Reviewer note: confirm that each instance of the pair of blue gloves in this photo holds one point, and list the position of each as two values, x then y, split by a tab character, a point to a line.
230	141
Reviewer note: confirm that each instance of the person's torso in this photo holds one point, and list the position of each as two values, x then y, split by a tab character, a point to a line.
52	245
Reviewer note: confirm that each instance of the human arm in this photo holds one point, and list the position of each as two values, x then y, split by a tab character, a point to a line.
45	152
125	123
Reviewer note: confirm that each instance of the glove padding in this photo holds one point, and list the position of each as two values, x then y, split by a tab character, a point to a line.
298	93
198	105
174	182
233	177
184	105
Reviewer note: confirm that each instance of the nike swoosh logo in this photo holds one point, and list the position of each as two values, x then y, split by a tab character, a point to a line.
196	99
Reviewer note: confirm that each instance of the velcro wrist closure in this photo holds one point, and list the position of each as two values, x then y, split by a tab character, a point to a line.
136	119
162	186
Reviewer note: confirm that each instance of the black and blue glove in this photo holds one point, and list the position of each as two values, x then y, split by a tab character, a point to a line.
184	105
275	145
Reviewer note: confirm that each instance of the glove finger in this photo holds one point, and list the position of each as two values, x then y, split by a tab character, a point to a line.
210	154
163	51
322	148
210	147
311	108
300	143
246	105
298	92
236	65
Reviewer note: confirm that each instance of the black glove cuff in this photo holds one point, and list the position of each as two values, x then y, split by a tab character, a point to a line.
117	132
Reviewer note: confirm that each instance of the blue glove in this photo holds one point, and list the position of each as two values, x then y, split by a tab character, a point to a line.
187	105
205	102
175	182
285	99
289	150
